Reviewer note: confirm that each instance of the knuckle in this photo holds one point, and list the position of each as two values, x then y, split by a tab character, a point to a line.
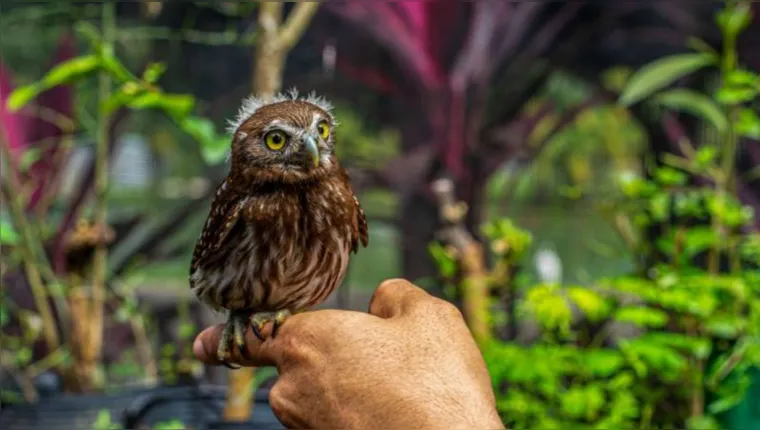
444	309
278	399
389	288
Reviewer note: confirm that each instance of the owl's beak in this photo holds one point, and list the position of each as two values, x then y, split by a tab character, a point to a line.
310	143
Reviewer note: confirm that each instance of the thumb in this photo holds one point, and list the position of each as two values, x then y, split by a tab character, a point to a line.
261	355
396	297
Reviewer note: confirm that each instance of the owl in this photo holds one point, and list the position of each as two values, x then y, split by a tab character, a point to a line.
284	222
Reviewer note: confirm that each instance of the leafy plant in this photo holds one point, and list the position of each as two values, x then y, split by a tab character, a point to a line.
691	309
118	89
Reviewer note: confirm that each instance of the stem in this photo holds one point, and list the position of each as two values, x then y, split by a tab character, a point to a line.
100	258
50	332
296	24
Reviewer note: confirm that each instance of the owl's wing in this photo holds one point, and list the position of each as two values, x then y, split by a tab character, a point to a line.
361	230
224	217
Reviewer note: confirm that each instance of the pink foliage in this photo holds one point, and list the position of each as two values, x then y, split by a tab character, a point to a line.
420	36
28	129
14	123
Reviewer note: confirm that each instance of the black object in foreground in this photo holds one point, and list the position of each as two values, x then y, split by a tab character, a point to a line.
197	407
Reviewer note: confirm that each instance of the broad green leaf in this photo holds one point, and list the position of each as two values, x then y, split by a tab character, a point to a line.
118	70
603	363
641	316
699	105
8	234
727	326
62	73
736	95
734	19
661	73
741	77
217	152
698	239
669	176
697	346
176	106
594	306
748	124
549	307
214	147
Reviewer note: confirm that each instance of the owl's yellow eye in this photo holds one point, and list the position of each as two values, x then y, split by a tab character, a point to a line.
323	129
275	140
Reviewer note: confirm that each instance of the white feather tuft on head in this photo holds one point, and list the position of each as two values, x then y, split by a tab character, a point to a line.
253	103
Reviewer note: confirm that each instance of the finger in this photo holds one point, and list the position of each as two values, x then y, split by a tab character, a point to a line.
396	297
261	354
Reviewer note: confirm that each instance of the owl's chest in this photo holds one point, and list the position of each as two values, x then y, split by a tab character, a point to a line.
293	229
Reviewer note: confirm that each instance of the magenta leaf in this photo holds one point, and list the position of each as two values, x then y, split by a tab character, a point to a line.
14	123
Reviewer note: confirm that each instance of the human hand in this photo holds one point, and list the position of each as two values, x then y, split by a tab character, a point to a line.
410	363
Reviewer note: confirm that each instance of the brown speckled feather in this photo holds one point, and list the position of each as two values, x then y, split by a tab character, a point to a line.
280	230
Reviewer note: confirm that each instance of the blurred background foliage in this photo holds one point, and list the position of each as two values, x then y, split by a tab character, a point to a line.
606	154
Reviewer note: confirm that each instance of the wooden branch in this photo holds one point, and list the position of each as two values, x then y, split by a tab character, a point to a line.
296	24
471	259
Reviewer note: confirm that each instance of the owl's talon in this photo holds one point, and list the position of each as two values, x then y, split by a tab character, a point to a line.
278	320
257	331
231	366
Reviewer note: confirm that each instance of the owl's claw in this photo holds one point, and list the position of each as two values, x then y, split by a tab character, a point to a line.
234	332
260	319
230	366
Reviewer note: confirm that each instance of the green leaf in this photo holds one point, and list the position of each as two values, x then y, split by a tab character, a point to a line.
214	147
696	346
447	267
706	154
117	69
734	19
741	77
661	73
704	422
177	106
698	239
153	72
670	177
593	305
736	95
8	234
644	317
748	124
699	105
62	73
727	326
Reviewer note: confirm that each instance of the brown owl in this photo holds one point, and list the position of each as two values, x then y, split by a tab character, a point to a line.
284	222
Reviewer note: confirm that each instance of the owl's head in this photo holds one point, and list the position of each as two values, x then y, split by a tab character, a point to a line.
286	139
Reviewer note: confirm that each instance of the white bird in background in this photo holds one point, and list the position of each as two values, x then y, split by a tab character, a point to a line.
548	264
